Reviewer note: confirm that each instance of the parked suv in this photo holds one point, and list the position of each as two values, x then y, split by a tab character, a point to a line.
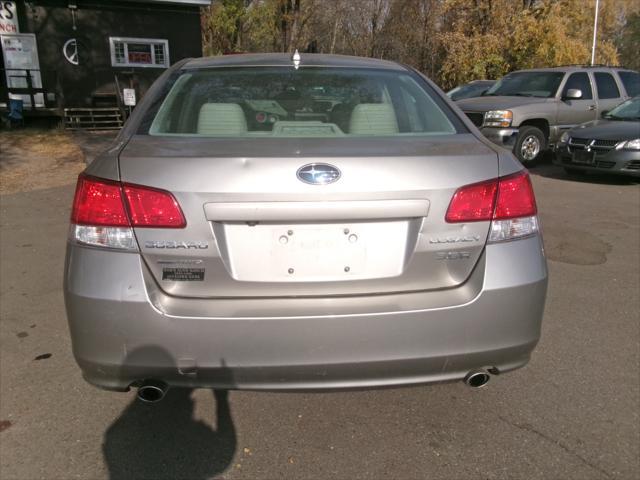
529	110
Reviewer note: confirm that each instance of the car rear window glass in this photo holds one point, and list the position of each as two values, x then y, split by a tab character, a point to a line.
606	85
579	81
631	82
307	102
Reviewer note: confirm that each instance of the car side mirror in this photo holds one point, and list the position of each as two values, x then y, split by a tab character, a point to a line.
604	113
573	94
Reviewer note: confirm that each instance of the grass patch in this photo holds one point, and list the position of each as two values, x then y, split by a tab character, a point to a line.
33	159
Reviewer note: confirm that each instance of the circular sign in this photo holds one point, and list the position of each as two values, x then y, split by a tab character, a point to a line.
70	51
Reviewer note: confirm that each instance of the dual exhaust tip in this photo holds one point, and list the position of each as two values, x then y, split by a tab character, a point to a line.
152	391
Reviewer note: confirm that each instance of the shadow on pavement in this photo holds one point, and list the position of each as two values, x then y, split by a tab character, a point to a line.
165	441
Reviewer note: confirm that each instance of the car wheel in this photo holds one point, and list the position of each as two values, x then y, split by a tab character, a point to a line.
529	144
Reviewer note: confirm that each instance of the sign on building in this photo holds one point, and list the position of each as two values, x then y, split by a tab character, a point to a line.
22	65
8	17
129	97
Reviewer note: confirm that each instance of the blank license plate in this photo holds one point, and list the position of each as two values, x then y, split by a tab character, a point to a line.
326	251
318	252
584	157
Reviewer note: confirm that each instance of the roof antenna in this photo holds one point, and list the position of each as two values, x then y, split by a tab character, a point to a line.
296	59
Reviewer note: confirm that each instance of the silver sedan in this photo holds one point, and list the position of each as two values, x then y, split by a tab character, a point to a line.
307	222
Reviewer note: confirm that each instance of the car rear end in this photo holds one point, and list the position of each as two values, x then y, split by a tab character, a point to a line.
335	225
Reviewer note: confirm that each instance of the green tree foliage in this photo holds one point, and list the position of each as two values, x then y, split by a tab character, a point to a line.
222	26
628	42
452	41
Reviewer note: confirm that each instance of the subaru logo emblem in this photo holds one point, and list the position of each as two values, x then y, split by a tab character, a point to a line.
318	173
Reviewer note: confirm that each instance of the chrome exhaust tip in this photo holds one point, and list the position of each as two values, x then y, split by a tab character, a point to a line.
152	391
477	379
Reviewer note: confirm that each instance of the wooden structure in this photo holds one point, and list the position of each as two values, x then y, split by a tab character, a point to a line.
73	58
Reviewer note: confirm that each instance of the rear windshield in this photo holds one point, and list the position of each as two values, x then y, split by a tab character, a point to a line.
309	102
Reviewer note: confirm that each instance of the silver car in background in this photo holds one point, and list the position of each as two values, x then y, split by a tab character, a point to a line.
324	222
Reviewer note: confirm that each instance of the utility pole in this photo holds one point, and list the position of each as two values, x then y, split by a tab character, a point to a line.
595	32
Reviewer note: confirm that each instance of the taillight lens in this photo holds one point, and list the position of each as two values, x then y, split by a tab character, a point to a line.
104	212
98	202
473	203
149	207
515	197
508	202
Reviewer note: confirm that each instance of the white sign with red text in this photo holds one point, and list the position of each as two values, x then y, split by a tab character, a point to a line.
8	17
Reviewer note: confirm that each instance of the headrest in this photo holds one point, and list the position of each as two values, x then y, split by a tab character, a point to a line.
373	119
221	119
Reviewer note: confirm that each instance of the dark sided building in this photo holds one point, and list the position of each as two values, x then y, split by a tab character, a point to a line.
88	51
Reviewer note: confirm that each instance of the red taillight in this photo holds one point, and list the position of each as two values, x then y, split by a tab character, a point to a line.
497	199
149	207
515	197
473	203
101	202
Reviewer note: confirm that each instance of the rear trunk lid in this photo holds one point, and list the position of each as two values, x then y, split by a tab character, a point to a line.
254	229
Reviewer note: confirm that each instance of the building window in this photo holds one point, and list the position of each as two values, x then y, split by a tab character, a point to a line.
158	54
139	52
119	54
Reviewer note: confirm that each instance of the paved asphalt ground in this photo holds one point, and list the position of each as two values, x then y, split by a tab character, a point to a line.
572	413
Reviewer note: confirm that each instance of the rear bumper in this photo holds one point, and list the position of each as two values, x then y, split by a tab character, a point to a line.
124	329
